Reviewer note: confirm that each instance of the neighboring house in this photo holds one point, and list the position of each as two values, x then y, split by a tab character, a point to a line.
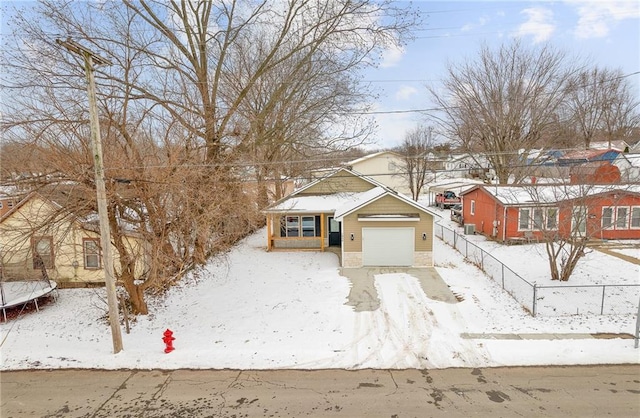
511	213
371	224
68	246
386	167
595	172
8	199
629	166
468	165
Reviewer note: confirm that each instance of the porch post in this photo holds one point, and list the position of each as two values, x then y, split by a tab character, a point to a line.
322	232
269	233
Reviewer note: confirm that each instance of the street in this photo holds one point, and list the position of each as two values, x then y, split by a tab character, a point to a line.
567	391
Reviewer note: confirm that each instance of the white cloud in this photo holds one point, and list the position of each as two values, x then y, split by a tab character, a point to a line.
539	24
595	18
392	56
405	92
482	21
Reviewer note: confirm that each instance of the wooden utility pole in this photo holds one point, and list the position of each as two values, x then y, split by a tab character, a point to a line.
105	233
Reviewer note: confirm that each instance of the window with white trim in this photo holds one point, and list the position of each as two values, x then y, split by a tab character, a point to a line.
91	252
308	226
537	219
523	218
293	226
552	218
472	210
635	217
607	217
620	217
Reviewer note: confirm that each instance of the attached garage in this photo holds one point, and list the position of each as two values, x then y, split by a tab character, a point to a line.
388	246
385	229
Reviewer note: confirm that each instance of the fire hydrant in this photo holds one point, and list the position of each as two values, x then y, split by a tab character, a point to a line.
168	340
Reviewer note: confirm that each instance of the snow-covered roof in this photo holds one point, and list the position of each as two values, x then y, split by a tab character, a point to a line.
370	156
550	194
360	200
314	204
456	185
369	196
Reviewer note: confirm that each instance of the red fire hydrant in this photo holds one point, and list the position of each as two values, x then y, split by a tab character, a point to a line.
168	340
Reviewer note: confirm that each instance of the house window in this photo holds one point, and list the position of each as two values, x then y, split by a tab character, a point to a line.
10	204
472	209
293	226
579	221
300	226
537	219
91	250
622	217
42	250
308	226
607	217
523	219
635	217
538	222
552	218
0	205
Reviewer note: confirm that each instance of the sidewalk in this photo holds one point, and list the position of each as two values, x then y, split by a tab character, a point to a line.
609	249
555	336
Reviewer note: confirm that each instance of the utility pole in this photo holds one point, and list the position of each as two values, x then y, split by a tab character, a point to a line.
105	233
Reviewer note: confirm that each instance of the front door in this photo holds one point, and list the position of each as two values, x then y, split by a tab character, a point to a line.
334	231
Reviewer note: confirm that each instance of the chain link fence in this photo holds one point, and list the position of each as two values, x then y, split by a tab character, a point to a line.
558	300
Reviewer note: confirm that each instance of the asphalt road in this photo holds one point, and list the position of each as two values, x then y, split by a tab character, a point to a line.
579	391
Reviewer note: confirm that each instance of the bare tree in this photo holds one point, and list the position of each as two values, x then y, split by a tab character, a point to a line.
176	108
502	102
599	101
416	166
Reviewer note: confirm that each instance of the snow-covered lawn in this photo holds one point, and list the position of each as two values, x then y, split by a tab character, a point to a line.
251	309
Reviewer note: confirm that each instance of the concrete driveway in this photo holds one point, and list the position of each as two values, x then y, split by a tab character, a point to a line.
364	296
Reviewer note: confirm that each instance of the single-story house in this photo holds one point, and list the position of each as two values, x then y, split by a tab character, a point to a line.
369	223
39	234
537	211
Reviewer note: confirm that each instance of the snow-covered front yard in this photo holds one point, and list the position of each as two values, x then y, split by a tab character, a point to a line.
251	309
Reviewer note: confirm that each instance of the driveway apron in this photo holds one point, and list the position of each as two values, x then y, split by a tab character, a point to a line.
364	296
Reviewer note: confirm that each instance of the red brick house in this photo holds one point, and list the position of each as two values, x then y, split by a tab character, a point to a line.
535	212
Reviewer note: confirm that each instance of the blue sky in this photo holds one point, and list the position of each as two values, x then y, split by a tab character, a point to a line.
606	33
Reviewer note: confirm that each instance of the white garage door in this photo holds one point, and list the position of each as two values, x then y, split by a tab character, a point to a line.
388	246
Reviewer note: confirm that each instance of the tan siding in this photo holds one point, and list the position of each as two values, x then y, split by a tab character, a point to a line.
388	205
339	182
15	239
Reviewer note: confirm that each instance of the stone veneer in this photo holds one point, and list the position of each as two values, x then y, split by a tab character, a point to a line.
420	259
352	259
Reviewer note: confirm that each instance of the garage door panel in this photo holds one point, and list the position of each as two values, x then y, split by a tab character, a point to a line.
388	246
